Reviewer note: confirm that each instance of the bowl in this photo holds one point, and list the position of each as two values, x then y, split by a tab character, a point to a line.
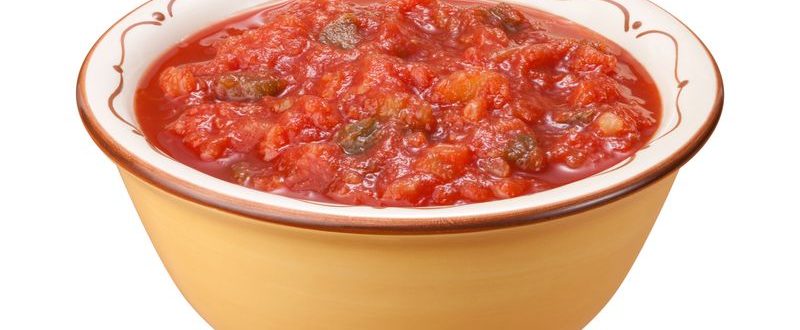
246	259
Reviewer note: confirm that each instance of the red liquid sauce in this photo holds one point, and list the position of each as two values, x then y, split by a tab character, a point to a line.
467	102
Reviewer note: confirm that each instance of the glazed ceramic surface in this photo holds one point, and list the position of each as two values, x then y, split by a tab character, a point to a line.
684	71
240	273
247	259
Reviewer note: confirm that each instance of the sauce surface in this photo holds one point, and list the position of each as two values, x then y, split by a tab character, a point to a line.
398	103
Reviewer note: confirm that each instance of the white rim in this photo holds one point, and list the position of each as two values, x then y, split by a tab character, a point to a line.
656	51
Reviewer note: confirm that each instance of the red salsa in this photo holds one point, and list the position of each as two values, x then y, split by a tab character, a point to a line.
398	103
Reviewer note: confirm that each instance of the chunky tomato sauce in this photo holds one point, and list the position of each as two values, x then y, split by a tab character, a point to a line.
398	103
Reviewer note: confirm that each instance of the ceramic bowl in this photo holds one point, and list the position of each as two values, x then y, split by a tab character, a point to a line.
252	260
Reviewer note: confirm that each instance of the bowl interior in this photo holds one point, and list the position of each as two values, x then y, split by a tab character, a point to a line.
684	71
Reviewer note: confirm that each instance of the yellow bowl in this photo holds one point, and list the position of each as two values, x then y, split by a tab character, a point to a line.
241	273
252	260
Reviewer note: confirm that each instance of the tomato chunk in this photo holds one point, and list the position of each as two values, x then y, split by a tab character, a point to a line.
464	86
444	161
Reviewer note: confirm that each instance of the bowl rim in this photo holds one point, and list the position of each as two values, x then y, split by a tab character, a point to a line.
400	226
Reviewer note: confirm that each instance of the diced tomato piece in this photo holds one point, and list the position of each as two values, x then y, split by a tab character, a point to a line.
444	161
409	190
474	191
177	81
214	129
510	187
310	167
599	89
495	166
587	58
404	108
464	86
491	137
475	110
574	149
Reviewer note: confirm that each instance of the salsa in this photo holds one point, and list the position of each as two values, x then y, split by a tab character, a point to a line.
398	103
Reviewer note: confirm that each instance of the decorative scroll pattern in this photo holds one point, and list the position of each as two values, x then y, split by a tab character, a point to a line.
681	83
159	18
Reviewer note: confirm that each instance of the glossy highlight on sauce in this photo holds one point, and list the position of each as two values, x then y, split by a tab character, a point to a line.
398	103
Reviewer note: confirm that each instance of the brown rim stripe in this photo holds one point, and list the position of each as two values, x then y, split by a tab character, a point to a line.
311	220
170	5
681	83
121	72
625	12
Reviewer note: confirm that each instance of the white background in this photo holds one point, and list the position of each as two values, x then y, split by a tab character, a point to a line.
725	253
